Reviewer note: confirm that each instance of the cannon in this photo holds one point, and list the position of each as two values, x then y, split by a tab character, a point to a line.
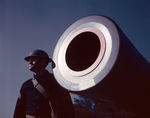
95	59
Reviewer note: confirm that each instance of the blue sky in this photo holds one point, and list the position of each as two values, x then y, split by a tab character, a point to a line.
30	24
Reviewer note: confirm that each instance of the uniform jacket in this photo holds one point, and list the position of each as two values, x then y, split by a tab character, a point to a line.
32	102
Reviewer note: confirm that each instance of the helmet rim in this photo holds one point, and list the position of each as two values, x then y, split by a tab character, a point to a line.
38	54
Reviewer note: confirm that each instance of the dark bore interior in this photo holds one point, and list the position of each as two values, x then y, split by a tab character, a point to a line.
82	51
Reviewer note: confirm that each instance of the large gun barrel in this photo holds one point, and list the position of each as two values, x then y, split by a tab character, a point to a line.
94	58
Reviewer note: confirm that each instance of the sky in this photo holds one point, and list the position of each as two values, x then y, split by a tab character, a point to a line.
37	24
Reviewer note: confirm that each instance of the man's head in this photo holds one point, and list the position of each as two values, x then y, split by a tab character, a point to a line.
38	60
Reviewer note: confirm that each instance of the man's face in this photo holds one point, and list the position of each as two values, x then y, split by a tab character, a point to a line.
32	63
36	64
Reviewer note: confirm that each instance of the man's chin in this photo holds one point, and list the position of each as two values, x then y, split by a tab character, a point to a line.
32	69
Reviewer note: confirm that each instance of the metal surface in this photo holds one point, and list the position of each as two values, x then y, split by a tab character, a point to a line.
96	60
108	37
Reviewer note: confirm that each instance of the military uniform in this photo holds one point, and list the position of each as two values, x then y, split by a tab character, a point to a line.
32	102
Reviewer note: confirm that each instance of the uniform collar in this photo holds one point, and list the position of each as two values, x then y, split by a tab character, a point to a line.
44	75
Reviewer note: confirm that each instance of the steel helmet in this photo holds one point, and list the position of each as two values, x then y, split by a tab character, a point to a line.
38	53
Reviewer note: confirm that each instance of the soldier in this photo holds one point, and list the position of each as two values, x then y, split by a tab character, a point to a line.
41	96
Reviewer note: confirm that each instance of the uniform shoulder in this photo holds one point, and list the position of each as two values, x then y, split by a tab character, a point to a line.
27	84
